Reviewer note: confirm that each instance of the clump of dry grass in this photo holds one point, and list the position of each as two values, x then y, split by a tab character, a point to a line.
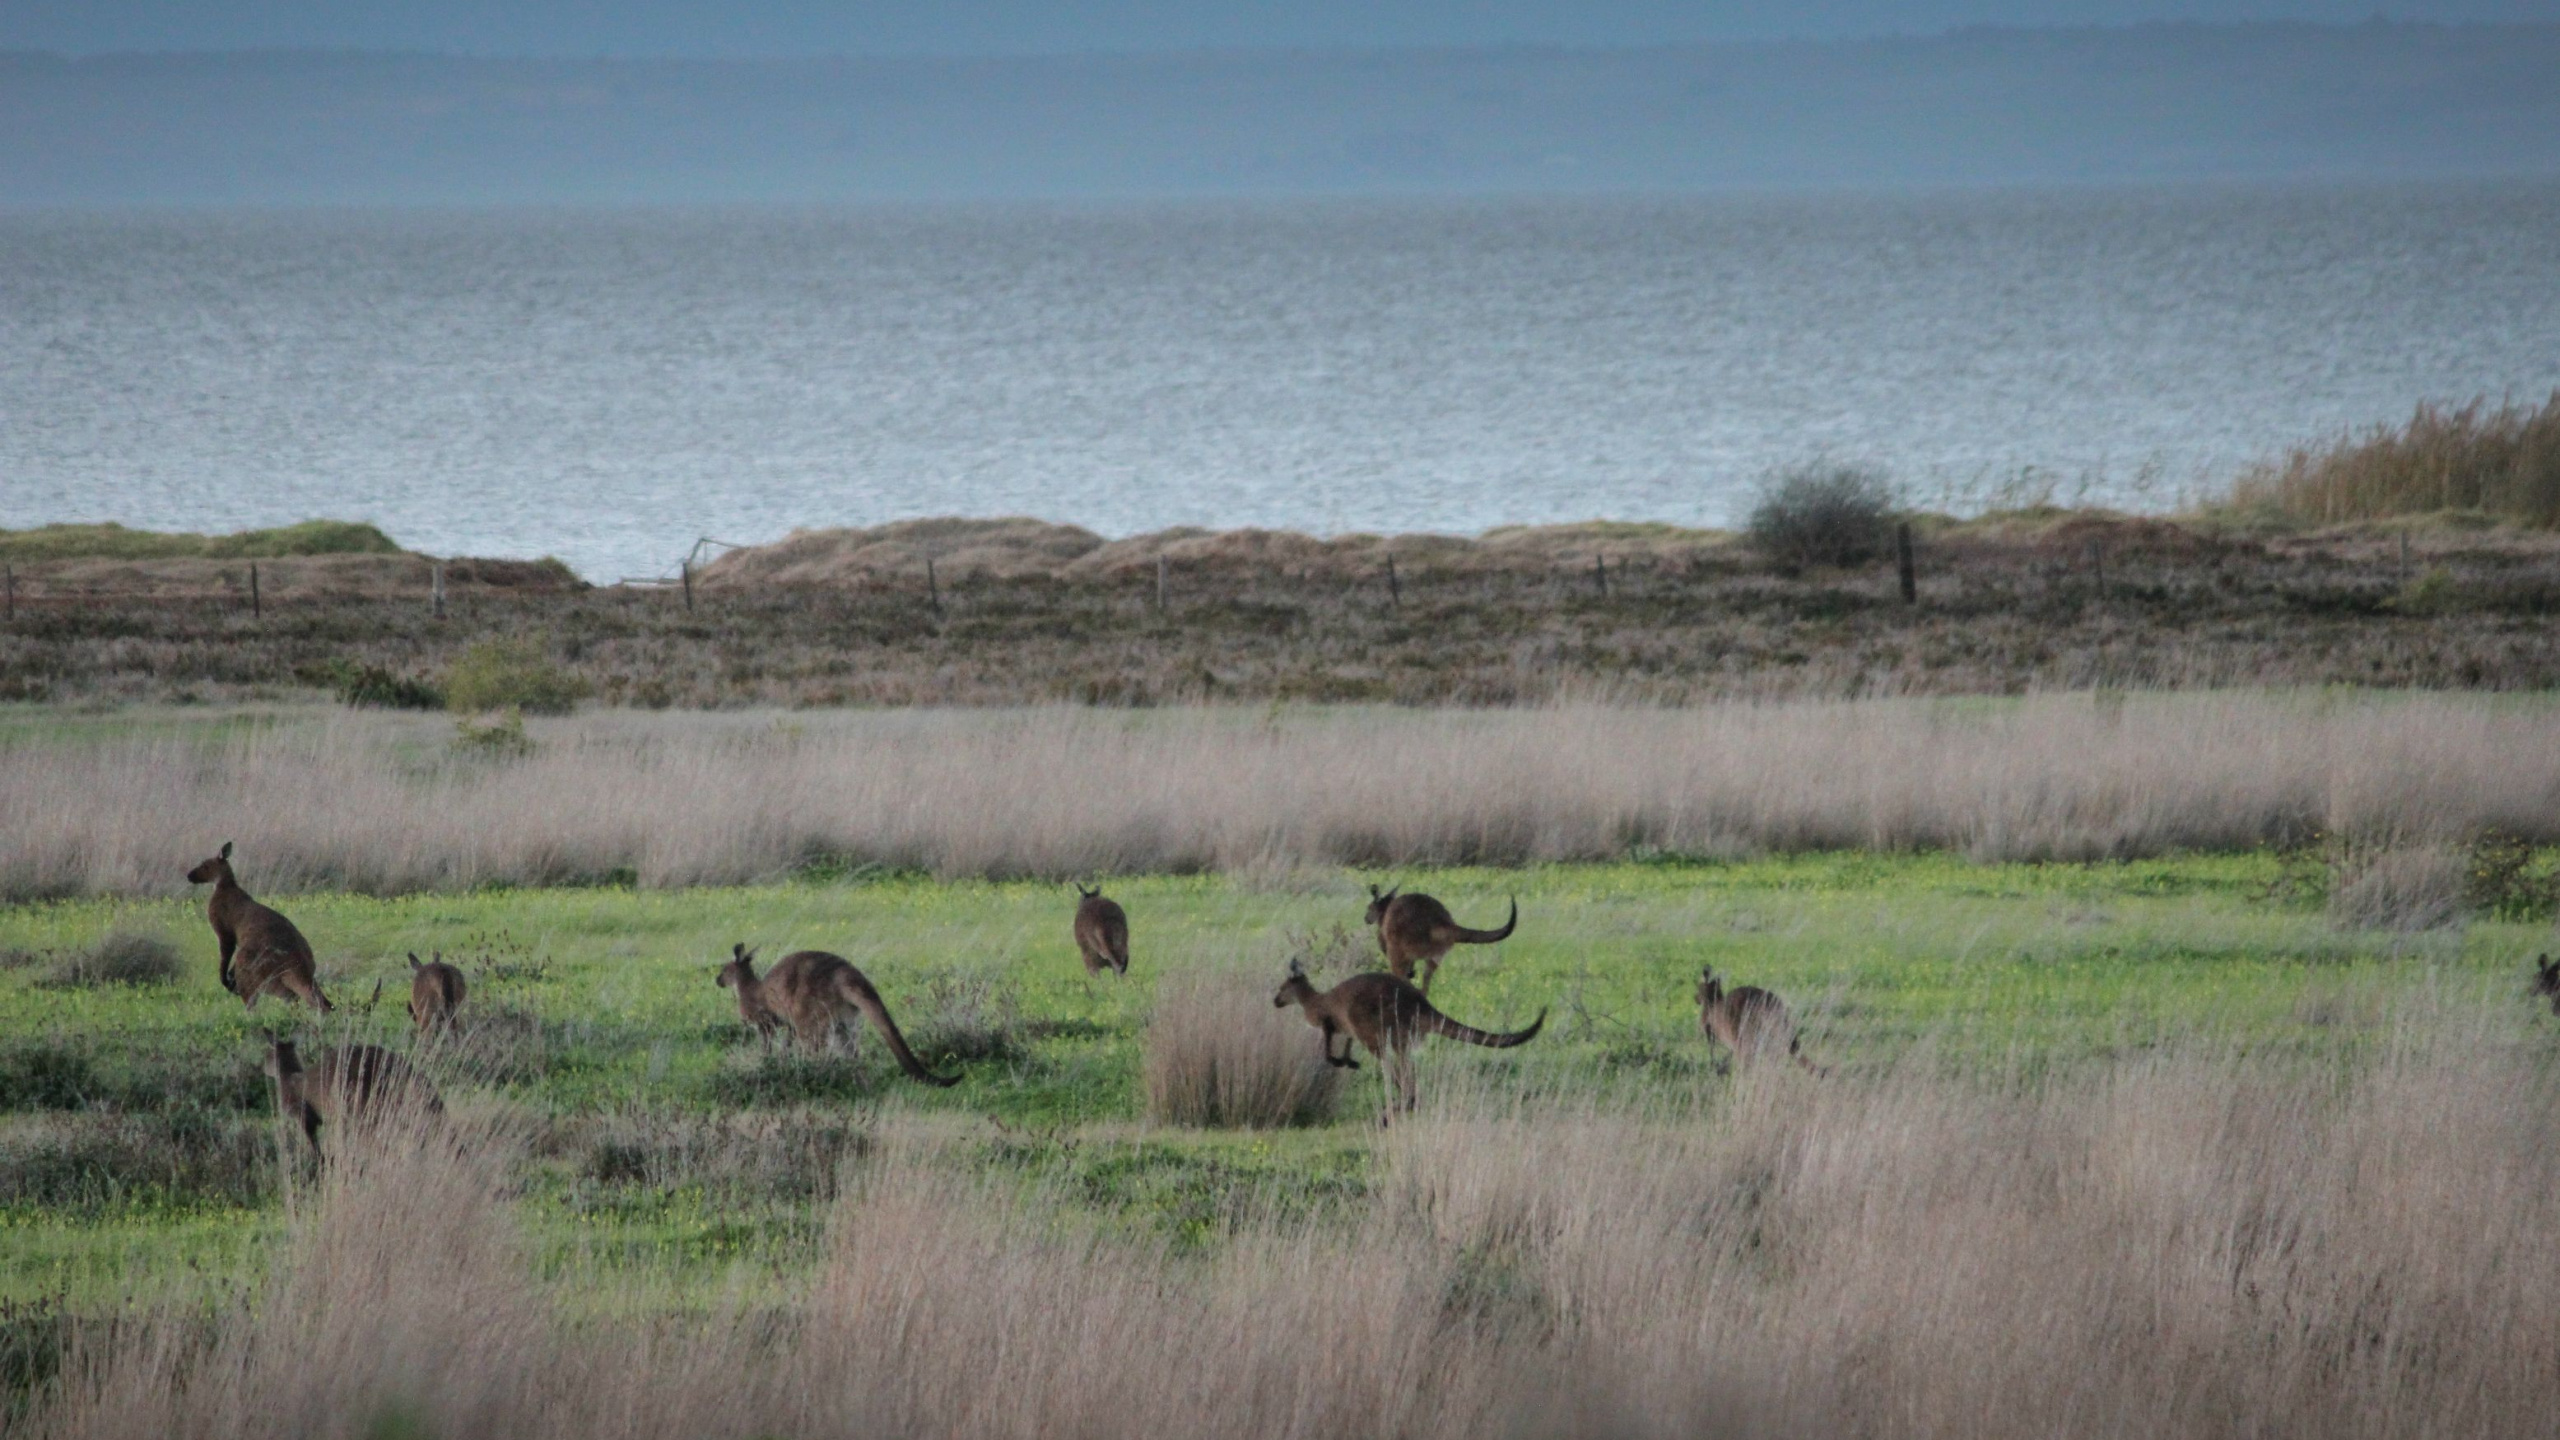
1218	1053
2203	1244
2400	887
1061	792
2505	461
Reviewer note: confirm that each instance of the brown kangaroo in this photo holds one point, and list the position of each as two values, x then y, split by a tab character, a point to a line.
1387	1014
813	995
346	1085
1418	929
1746	1020
2546	980
1102	932
261	951
435	992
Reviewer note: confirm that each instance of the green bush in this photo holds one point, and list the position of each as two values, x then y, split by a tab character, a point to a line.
1836	515
117	958
510	673
373	687
115	542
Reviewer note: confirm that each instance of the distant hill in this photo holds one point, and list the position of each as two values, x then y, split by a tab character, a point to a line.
1977	106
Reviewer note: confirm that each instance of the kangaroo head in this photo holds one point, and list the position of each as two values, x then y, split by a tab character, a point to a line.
1710	989
217	868
1295	990
1083	893
741	969
2546	976
1379	900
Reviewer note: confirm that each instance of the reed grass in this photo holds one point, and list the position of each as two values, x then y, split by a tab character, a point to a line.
2504	461
385	803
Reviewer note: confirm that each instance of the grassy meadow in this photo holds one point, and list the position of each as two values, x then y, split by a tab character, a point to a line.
2177	1044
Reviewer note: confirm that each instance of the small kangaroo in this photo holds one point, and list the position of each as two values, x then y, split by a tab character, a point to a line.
261	951
1387	1014
1418	929
1747	1019
435	992
1102	932
814	995
344	1085
2546	980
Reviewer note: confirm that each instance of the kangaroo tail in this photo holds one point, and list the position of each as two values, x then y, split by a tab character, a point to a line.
1439	1024
869	1000
1489	937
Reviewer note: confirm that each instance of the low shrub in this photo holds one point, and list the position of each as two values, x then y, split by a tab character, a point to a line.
98	1160
965	1019
117	958
2504	461
373	687
1836	515
510	673
1219	1054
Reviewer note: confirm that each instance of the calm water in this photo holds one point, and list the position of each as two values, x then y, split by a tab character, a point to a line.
605	386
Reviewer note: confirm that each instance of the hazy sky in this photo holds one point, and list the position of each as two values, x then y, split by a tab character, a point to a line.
808	27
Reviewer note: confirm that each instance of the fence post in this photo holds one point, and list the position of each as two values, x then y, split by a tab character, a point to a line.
687	569
2404	559
435	601
1160	584
2098	566
1600	574
932	586
1902	565
256	610
12	586
1395	590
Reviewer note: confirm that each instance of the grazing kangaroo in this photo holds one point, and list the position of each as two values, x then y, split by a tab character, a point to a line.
435	992
814	995
1102	932
1746	1020
1418	929
2546	980
261	951
345	1085
1387	1014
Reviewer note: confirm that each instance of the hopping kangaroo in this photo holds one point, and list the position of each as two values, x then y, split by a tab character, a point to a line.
1416	929
1746	1020
1387	1014
1102	932
344	1086
2546	980
261	951
435	992
814	995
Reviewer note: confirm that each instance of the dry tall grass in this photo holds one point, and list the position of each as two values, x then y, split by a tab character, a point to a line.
377	802
2202	1245
1219	1054
2447	457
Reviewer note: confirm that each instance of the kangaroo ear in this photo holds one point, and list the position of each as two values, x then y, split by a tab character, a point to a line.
738	951
226	851
1297	968
413	959
1373	893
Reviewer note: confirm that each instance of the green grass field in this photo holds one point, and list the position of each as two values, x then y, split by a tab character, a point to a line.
672	1160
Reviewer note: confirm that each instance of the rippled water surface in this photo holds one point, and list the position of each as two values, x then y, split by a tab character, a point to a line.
606	386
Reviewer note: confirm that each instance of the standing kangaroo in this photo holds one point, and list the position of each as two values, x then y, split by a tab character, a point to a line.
2546	980
814	995
348	1085
261	950
435	992
1746	1020
1102	932
1387	1014
1418	929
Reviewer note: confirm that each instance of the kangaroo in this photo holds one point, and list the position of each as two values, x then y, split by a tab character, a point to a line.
2546	980
1102	932
350	1084
813	995
1416	929
261	951
1387	1014
1747	1019
435	992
